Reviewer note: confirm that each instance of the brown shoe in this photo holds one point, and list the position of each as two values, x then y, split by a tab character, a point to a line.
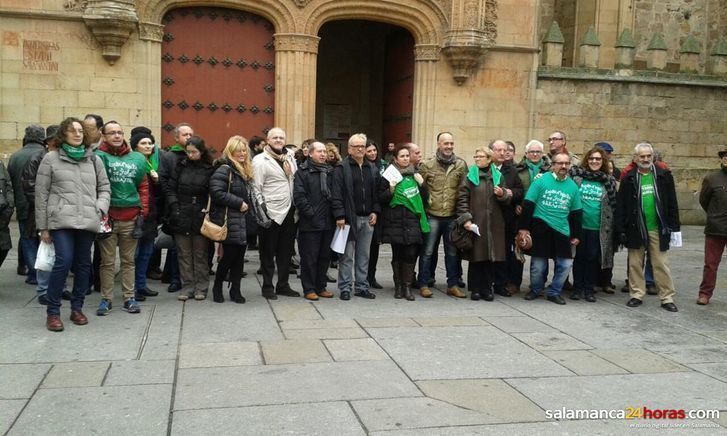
78	318
455	292
512	289
312	296
54	323
425	292
325	294
703	300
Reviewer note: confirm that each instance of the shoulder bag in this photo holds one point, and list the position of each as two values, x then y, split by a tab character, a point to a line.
209	229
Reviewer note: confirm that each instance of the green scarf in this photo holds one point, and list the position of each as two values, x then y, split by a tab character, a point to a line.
474	175
75	153
177	147
153	161
407	194
533	169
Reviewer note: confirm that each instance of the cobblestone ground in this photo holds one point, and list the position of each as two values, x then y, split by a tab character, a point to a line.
434	366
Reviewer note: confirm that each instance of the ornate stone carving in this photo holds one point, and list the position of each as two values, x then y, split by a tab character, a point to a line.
472	32
301	3
426	52
111	22
296	42
151	31
75	5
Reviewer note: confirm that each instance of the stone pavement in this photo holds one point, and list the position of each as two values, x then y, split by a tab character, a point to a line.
436	366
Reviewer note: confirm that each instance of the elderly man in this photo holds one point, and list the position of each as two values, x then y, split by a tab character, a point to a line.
646	215
355	203
551	218
92	125
312	198
415	155
274	170
557	141
713	199
442	174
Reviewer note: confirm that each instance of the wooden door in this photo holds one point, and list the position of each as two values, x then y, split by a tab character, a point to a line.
398	87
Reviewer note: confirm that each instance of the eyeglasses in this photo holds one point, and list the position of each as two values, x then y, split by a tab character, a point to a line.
114	133
357	146
561	163
555	139
597	159
535	152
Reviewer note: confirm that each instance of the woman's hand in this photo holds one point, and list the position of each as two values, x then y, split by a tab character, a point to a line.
45	236
419	179
154	175
244	207
467	225
499	192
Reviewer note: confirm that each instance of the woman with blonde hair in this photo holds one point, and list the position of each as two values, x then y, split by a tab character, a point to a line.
230	190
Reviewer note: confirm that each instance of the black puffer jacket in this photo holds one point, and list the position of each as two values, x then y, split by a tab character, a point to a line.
314	210
221	199
399	224
187	195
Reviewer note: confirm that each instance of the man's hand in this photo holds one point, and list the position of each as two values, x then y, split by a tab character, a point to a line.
244	207
574	242
372	219
419	179
341	223
45	236
467	225
499	192
518	210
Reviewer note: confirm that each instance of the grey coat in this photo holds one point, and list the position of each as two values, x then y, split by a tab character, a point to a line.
71	194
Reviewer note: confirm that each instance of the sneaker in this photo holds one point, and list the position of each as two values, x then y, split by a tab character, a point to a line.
199	296
183	297
104	307
131	306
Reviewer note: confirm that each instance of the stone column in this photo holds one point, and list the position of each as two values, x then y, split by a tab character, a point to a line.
689	56
426	57
296	55
151	34
553	42
656	57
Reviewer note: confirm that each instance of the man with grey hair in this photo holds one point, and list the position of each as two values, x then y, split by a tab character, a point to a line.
558	141
646	215
274	170
355	203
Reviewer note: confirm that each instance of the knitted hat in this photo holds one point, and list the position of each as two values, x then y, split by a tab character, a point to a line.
605	146
138	136
140	129
34	133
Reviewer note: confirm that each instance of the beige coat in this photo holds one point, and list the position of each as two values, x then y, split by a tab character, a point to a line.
442	185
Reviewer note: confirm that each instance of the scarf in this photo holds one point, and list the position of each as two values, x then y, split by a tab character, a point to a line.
177	147
324	169
474	174
281	158
533	169
598	176
152	161
406	193
75	153
445	161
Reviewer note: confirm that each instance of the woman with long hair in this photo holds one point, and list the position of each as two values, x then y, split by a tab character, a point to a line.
404	219
598	195
187	197
230	187
72	193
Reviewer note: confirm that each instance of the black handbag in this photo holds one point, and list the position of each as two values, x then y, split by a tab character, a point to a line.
257	204
462	239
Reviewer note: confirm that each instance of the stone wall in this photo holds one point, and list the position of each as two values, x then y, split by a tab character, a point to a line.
686	123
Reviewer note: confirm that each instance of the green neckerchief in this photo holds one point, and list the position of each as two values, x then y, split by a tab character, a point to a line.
153	161
406	194
75	153
177	147
533	169
474	175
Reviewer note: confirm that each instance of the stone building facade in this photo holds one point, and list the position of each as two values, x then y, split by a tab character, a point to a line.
481	69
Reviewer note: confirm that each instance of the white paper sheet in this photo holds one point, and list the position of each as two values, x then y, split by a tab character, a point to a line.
392	174
676	239
474	228
338	244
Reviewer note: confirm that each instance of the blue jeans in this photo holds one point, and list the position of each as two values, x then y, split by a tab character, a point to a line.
356	251
29	249
440	228
73	247
539	273
144	250
649	272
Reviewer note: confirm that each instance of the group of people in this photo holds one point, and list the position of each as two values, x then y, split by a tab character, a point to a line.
83	188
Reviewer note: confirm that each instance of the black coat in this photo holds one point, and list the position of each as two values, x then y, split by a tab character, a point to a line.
314	210
511	180
398	224
187	192
151	221
232	201
630	225
342	199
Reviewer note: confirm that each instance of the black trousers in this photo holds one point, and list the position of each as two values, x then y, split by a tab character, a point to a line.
233	260
374	253
314	259
405	253
275	246
481	276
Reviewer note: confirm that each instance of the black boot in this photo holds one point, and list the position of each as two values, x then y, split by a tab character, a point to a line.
590	297
488	294
235	294
576	295
406	272
217	290
395	267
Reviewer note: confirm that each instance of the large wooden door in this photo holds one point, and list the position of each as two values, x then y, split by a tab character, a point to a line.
218	74
398	87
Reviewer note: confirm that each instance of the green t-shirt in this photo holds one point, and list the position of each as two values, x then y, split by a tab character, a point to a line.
648	206
554	201
591	195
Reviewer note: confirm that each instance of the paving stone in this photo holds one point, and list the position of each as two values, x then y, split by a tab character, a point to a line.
162	341
494	398
9	410
584	362
427	353
109	410
551	341
386	322
403	413
688	390
718	335
439	305
355	349
219	354
294	351
286	310
285	384
346	333
20	381
208	322
704	354
334	418
639	361
76	375
332	324
450	321
140	372
518	324
716	370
